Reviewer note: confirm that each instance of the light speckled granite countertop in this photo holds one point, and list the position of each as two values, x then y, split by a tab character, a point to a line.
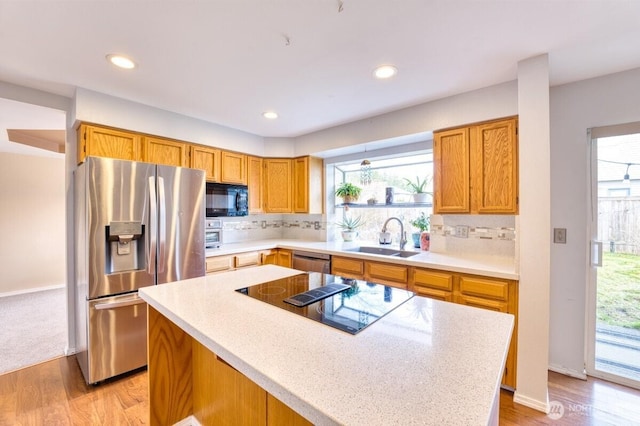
425	363
490	266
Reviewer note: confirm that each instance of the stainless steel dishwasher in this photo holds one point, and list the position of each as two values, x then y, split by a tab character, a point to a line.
312	262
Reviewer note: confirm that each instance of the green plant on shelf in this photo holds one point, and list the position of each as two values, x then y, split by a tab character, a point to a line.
348	192
418	186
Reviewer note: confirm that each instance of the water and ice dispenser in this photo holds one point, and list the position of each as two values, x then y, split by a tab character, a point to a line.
125	247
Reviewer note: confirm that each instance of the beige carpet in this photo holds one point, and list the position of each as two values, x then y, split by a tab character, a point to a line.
33	328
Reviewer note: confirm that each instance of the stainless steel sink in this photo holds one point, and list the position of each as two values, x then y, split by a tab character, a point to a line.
383	251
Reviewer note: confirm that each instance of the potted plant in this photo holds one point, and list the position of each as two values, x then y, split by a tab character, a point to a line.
422	223
348	192
349	225
418	189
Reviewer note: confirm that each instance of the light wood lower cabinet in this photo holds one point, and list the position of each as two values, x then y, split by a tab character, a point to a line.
347	267
186	378
280	257
219	264
387	273
433	284
471	290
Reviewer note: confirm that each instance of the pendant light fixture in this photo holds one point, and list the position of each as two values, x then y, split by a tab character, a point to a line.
365	170
626	180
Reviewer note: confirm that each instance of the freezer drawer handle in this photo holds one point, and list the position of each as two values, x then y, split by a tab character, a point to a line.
119	304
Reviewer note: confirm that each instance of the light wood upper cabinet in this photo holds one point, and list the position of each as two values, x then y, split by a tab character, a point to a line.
255	184
99	141
207	159
451	171
476	168
494	165
165	151
277	186
308	185
234	168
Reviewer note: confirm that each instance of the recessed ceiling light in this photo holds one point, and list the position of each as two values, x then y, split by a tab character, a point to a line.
270	115
121	61
385	71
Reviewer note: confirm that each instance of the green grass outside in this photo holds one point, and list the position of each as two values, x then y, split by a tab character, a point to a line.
619	290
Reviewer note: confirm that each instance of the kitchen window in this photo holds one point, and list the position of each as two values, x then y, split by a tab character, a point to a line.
387	174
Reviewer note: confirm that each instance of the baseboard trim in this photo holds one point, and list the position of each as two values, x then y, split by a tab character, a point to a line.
567	372
31	290
531	403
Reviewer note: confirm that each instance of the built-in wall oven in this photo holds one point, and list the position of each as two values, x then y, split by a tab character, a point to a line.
213	233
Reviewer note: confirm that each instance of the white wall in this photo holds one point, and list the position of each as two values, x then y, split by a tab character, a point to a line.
534	232
479	105
99	108
575	107
32	218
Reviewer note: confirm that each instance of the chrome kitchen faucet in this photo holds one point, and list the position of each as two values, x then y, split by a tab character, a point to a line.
403	235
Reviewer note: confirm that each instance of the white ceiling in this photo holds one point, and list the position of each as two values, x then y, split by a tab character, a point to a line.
227	61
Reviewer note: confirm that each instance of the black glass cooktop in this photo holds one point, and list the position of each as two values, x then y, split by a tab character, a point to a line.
344	303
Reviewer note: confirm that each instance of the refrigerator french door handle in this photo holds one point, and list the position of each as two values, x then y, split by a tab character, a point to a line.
162	240
153	226
135	300
596	254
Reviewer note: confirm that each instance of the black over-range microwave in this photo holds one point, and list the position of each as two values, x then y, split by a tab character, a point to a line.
226	200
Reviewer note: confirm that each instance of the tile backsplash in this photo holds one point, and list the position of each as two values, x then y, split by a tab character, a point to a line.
474	234
263	227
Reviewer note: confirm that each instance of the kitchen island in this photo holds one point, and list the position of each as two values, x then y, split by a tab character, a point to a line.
426	362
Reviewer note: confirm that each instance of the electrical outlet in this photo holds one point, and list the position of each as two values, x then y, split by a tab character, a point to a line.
462	231
316	225
560	235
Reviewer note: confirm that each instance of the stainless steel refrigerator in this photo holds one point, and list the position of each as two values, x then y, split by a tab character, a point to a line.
137	224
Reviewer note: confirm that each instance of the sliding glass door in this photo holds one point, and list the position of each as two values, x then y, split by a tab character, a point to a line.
613	322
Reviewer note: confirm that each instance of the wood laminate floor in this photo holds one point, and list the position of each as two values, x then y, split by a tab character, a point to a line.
54	393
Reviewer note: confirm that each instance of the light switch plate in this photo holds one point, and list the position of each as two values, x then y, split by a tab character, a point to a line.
560	235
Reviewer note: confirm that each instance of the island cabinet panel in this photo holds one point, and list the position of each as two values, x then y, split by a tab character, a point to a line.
277	186
170	370
476	168
346	267
99	141
494	158
451	171
207	159
278	414
387	273
255	183
233	168
223	395
433	284
165	151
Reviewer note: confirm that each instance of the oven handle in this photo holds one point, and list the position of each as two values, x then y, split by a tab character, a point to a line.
135	300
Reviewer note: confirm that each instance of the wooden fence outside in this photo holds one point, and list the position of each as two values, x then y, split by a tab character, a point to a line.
619	224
